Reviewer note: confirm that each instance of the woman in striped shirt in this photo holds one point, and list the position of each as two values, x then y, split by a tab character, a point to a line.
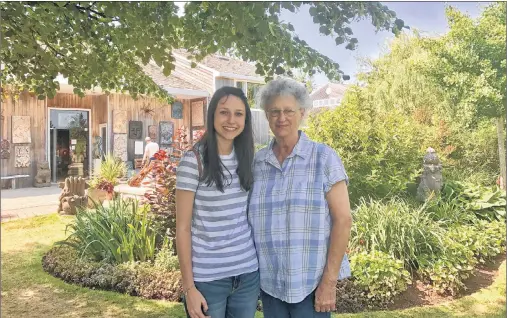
214	240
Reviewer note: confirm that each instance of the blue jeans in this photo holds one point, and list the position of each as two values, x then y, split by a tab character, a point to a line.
275	308
231	297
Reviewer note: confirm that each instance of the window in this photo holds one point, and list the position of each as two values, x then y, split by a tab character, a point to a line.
250	89
241	85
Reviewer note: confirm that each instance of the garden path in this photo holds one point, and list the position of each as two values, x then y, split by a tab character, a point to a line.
28	202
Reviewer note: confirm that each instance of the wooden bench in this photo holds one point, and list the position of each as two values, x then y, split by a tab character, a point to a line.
14	178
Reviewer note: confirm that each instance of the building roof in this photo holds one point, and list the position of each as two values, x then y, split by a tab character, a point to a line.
157	75
329	90
224	64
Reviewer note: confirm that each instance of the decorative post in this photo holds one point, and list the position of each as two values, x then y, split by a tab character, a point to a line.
431	179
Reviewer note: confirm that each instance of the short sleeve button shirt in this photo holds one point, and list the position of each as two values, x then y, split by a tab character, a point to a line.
290	217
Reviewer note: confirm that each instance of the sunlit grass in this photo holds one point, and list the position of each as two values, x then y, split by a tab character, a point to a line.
28	291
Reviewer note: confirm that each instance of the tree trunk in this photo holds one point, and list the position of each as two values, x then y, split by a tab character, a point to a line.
500	126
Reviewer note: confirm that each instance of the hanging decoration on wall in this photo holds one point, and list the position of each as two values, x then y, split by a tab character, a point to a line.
120	146
6	149
147	109
166	132
22	155
21	130
119	122
152	132
177	110
135	129
197	113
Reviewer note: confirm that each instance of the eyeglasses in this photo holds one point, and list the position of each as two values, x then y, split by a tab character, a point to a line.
275	113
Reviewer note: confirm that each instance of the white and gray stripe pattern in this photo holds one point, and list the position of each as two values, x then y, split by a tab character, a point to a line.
222	243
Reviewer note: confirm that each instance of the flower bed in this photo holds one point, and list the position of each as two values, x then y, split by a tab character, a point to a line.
154	280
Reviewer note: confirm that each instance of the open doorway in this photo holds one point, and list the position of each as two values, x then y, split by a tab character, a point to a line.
69	143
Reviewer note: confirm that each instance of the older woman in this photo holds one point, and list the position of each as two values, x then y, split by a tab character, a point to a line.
299	211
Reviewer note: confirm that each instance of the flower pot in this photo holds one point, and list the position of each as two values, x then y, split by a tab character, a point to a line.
109	196
96	195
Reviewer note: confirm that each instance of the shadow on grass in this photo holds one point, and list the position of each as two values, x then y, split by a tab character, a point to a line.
28	291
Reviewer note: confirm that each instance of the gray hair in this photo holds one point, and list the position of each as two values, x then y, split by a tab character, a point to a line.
283	87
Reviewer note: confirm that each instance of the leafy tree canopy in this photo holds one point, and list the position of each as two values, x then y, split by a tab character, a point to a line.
103	43
470	62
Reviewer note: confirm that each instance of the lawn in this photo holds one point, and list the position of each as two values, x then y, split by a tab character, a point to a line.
27	291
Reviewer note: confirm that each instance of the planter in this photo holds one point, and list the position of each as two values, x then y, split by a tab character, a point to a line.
96	195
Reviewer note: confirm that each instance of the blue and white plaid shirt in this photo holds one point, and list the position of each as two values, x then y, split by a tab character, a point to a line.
290	217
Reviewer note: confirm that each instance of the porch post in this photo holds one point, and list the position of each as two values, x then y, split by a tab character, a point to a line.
108	127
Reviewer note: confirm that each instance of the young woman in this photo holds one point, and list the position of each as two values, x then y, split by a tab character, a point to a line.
217	256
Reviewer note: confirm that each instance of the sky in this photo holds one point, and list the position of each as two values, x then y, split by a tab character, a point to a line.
428	17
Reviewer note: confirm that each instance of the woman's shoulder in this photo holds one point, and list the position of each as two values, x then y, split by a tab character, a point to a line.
323	151
261	154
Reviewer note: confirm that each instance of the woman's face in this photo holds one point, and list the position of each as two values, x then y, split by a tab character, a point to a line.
230	117
284	116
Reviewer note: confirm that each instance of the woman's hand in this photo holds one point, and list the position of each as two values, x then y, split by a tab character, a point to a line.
325	297
196	304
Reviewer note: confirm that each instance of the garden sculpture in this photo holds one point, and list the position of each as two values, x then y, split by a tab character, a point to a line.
73	195
431	179
43	177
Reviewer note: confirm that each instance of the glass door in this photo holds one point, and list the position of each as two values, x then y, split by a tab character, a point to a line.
69	143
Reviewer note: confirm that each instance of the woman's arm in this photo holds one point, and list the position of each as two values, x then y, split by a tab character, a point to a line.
184	206
339	208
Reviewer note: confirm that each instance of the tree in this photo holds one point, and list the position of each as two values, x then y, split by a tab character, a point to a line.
394	80
308	81
398	82
103	43
470	65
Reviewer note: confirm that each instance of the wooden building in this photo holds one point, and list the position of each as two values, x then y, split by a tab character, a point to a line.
72	133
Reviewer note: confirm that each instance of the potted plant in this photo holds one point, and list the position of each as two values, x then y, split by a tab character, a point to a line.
107	186
111	170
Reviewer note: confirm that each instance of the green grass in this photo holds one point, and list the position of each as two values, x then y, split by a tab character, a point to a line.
27	291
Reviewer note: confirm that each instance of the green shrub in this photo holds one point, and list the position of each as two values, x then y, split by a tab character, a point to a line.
132	278
166	259
446	272
476	150
381	151
485	239
395	228
466	176
486	202
119	233
465	246
450	211
380	275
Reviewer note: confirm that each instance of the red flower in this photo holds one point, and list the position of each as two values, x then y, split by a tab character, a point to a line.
160	155
106	186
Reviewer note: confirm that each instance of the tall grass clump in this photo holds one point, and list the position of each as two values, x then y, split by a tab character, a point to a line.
396	228
112	169
116	234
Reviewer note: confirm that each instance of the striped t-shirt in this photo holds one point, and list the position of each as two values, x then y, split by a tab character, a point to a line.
222	243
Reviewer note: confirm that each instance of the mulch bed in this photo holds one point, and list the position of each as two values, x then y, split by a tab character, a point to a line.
419	294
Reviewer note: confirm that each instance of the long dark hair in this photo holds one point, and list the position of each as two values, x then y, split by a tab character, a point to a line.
243	145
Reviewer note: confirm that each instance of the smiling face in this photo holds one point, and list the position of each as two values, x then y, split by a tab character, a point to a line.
229	118
284	116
